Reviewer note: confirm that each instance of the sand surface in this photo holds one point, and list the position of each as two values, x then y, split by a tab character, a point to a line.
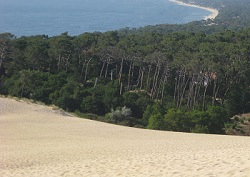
38	141
214	12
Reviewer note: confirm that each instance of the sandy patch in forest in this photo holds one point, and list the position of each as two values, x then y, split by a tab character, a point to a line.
36	140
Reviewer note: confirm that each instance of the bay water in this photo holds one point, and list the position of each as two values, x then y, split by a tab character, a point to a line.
53	17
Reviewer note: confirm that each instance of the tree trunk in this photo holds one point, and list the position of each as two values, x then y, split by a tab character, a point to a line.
142	78
129	75
204	98
190	94
121	88
183	92
59	62
148	79
103	65
107	67
86	70
163	87
154	80
83	66
121	68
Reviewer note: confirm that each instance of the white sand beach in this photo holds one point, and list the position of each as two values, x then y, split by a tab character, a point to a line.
214	12
39	141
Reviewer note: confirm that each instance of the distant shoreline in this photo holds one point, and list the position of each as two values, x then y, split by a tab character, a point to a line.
212	16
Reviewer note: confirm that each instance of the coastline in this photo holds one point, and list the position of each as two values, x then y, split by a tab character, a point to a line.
212	16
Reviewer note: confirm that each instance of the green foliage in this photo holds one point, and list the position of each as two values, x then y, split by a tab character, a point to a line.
151	110
181	81
200	129
5	51
92	101
198	118
111	97
210	121
36	53
156	122
217	119
10	85
137	102
119	115
176	120
237	99
29	84
92	104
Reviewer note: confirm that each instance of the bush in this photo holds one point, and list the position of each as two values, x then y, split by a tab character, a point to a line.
176	120
156	122
229	128
155	109
92	104
217	119
200	129
137	102
120	115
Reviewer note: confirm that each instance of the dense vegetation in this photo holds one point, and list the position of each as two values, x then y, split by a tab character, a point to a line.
179	81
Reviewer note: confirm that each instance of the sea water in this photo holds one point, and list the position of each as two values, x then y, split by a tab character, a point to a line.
53	17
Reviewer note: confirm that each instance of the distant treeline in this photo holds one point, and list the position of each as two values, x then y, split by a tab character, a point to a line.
179	81
233	15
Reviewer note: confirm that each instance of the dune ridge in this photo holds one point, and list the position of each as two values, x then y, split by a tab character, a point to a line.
36	140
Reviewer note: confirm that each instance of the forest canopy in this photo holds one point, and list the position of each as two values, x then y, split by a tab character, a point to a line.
179	81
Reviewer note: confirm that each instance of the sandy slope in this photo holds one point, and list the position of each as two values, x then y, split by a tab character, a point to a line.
38	141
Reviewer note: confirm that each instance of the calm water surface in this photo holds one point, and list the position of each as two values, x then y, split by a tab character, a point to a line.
53	17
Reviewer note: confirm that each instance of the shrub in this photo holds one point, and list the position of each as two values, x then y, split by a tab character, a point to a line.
236	118
230	128
155	109
199	129
217	119
156	122
119	115
176	120
138	102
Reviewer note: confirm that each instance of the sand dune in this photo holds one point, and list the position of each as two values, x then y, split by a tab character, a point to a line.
36	140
